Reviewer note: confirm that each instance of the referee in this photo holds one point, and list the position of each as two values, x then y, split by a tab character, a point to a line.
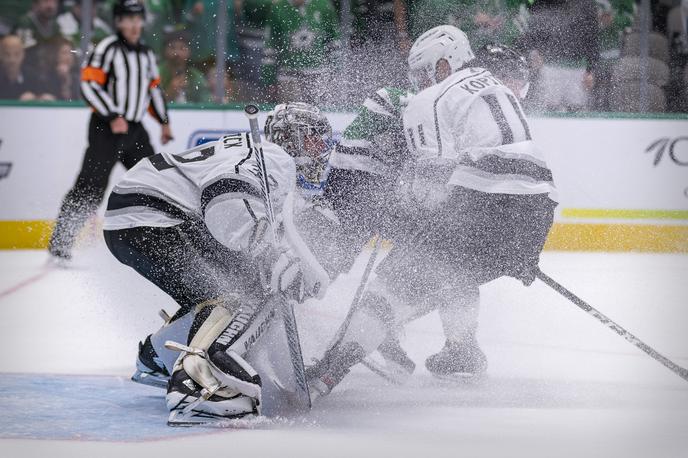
120	82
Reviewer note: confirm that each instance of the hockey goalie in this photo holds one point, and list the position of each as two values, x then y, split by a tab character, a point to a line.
211	227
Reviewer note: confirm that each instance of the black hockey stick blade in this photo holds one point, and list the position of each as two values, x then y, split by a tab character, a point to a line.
608	322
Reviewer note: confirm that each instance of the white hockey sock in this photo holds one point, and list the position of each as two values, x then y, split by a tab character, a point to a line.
459	315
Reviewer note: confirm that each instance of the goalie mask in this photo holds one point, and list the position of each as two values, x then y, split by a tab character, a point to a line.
306	135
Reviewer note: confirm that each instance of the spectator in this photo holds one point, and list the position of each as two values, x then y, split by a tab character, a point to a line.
39	24
232	93
303	34
251	25
13	84
162	17
659	10
677	29
181	82
69	23
12	10
379	47
677	33
201	21
5	28
483	21
57	72
613	17
562	38
380	21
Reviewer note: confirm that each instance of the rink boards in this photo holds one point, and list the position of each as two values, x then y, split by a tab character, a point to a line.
622	181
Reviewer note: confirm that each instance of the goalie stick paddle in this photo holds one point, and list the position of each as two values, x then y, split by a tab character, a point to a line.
287	311
295	353
590	310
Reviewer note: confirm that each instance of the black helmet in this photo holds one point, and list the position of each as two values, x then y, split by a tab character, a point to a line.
128	8
502	61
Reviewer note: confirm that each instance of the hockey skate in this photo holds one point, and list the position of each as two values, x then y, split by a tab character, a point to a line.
58	259
325	374
149	368
397	367
458	360
190	404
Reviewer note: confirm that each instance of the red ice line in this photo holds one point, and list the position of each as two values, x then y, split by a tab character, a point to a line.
26	282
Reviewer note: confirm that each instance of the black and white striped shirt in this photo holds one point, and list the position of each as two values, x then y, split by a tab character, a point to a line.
119	79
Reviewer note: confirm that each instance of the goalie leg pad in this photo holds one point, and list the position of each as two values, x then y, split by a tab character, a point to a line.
190	404
204	390
216	384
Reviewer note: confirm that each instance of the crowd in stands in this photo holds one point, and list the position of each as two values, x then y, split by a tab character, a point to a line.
584	55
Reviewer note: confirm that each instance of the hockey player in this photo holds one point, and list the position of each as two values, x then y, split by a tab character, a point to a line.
477	201
365	168
504	62
197	225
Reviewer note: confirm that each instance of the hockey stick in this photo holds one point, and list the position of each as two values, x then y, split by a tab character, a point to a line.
359	291
366	362
288	317
252	114
590	310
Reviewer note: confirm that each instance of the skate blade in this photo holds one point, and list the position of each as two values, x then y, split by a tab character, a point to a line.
462	377
193	418
145	378
393	373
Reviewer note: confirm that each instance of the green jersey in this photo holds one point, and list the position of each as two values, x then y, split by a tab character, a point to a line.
203	29
196	88
33	32
610	37
299	38
162	16
255	13
374	141
12	10
461	13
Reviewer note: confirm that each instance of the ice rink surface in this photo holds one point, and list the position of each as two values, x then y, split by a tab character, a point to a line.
559	383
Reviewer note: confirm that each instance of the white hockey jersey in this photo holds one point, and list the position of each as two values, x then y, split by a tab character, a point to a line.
473	128
216	182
